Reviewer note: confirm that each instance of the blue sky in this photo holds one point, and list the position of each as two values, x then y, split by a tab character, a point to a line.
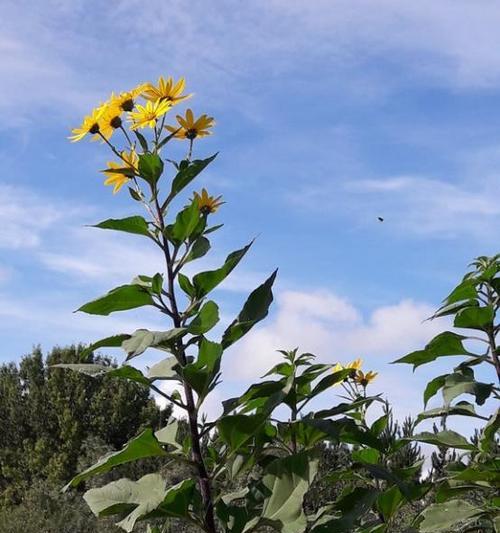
329	114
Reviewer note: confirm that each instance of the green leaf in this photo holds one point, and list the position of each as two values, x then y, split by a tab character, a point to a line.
379	425
164	369
345	430
186	285
447	438
389	502
142	140
185	223
487	438
142	339
237	430
134	194
464	291
462	408
352	507
135	499
95	370
135	224
204	282
179	498
444	344
443	516
144	445
328	381
433	386
120	299
187	173
459	383
168	434
157	283
202	373
150	167
199	248
288	480
474	317
255	309
366	455
205	320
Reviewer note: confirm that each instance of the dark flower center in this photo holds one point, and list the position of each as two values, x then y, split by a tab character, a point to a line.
94	128
191	134
115	122
128	105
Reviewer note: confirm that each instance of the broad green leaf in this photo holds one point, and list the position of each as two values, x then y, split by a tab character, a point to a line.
188	172
94	370
135	224
186	285
142	140
237	430
444	344
458	383
488	434
157	283
168	434
342	408
444	438
329	381
379	425
135	499
255	309
464	291
202	373
474	317
345	430
150	167
352	507
204	282
288	480
115	341
199	248
366	455
205	320
164	369
142	339
443	516
462	408
389	501
179	498
185	223
120	299
144	445
433	386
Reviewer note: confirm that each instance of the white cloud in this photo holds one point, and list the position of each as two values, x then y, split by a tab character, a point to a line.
24	216
332	328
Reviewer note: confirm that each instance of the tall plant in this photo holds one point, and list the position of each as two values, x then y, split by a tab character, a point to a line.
265	442
467	489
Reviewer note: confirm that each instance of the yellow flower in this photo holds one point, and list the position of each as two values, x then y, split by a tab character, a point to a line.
207	204
117	179
191	128
90	125
364	379
111	118
166	90
126	100
356	364
146	116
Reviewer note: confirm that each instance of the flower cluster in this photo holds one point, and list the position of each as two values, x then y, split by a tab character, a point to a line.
357	376
144	106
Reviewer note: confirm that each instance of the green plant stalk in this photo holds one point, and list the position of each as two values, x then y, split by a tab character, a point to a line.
196	454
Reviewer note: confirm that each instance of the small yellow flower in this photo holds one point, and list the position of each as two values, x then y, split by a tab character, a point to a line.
356	364
167	89
146	116
110	119
337	368
207	204
116	179
364	379
90	125
126	100
191	128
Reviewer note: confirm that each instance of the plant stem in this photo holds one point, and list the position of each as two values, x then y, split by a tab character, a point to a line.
492	341
196	454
